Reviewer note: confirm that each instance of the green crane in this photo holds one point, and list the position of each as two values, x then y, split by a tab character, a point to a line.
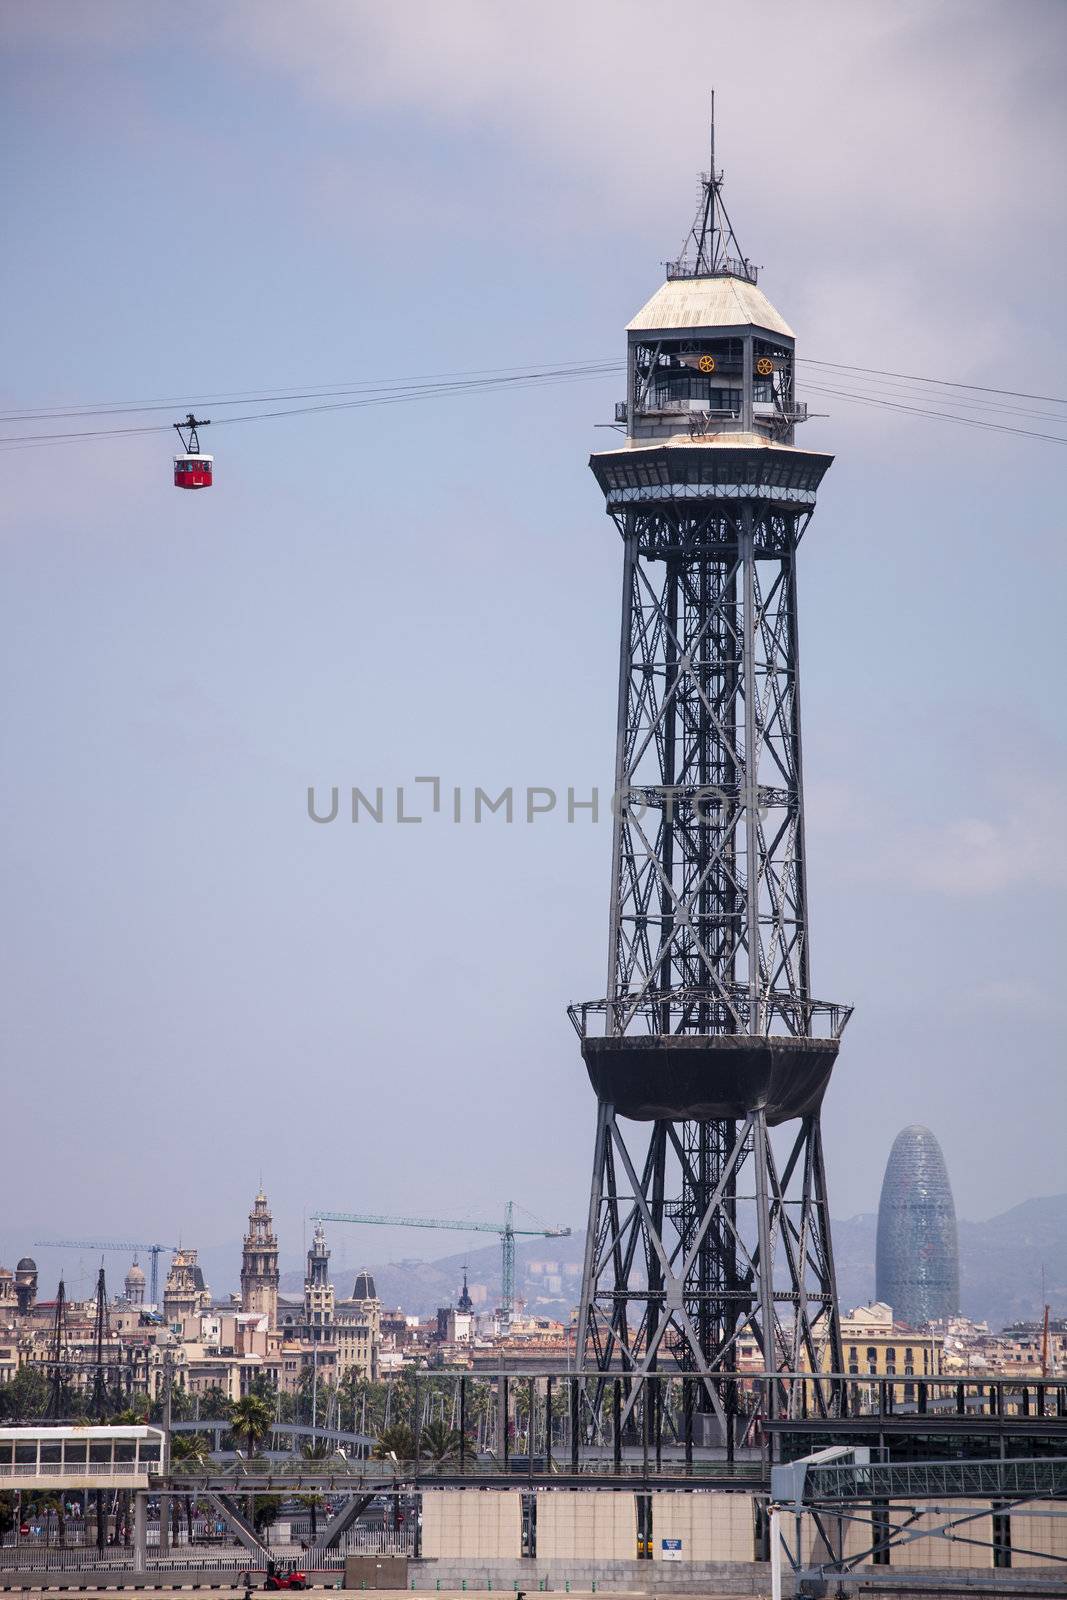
506	1230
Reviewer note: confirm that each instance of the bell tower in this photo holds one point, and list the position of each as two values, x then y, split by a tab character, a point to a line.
259	1263
709	1056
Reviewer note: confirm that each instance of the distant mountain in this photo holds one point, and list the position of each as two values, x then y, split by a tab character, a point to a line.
1000	1267
1001	1263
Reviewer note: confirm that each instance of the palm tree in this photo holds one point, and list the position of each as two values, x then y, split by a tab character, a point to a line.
314	1450
439	1442
396	1440
133	1415
251	1420
188	1452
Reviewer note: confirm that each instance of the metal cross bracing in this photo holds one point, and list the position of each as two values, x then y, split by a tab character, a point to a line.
864	1511
710	773
706	1234
709	937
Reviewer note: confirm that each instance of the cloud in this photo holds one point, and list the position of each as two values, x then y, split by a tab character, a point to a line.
1017	842
891	164
910	110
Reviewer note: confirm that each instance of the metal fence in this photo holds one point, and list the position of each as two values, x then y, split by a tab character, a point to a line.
24	1558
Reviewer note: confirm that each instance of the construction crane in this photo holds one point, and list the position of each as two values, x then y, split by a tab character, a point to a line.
122	1246
506	1229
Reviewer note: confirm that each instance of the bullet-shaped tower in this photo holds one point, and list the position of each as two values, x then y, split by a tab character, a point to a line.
705	1232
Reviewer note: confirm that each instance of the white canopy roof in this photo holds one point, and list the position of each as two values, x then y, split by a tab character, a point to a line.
29	1434
709	303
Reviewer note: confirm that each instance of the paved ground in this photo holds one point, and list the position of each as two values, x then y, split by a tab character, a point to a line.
419	1594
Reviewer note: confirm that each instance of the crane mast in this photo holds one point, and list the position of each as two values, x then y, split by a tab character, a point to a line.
121	1246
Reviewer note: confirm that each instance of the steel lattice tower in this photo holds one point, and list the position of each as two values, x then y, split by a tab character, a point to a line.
704	1233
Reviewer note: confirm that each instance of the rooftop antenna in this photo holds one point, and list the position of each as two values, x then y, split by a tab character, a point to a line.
716	250
711	173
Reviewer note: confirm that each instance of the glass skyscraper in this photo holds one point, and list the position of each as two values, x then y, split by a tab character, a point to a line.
917	1269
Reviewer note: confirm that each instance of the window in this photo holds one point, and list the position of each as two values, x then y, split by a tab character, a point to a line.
644	1527
529	1525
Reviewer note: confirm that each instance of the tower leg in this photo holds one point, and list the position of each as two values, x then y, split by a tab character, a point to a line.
140	1530
680	1265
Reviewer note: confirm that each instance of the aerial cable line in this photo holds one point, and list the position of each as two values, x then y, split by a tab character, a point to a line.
879	388
943	416
423	382
947	383
486	380
527	380
430	381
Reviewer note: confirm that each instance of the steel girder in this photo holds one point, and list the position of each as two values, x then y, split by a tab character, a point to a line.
701	1234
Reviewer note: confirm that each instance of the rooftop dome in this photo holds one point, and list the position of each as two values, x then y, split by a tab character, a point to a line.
364	1287
27	1264
135	1274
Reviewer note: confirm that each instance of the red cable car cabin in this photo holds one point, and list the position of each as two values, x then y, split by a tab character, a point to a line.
193	472
192	469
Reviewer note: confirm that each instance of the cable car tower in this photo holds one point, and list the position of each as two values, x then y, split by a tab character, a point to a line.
706	1232
193	469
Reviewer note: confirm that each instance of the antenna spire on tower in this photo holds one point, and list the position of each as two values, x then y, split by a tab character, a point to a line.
711	248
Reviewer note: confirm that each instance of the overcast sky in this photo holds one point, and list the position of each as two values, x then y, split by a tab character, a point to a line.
202	985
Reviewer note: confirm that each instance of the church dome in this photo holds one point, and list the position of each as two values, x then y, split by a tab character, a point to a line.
27	1264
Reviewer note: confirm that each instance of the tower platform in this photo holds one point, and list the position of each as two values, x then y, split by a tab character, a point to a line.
708	1077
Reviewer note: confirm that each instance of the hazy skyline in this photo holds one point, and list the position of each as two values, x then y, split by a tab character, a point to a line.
202	985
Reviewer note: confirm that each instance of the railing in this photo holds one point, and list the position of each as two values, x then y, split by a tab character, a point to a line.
725	267
380	1542
405	1475
780	1015
24	1557
77	1469
905	1479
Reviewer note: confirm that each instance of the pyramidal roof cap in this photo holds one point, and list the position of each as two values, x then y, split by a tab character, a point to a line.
723	301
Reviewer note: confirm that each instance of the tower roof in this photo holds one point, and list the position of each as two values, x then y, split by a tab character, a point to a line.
714	302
